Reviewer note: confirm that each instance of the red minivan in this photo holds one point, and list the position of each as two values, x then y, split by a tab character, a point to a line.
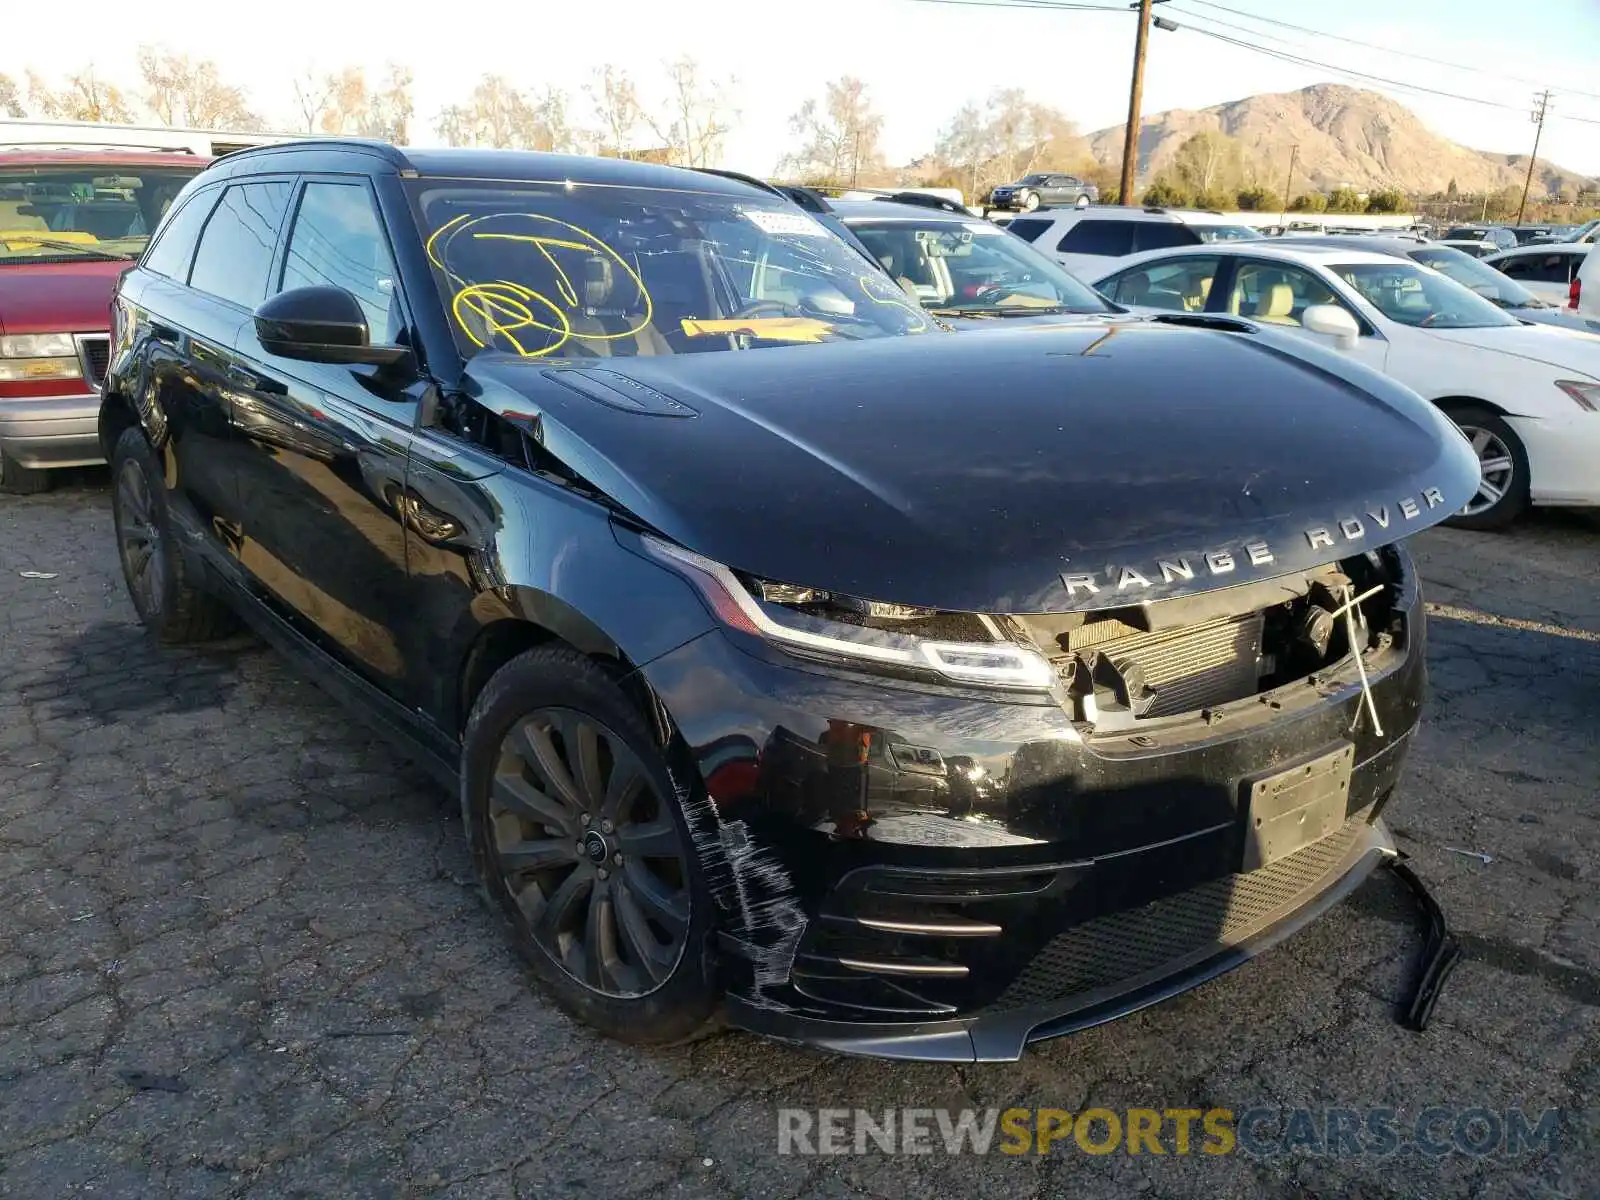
71	221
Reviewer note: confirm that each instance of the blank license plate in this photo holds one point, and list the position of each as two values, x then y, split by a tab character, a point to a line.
1289	809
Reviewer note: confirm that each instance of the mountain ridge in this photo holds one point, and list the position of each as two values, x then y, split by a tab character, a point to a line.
1348	137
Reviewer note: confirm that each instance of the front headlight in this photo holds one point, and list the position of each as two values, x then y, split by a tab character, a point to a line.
813	623
38	345
28	357
1584	393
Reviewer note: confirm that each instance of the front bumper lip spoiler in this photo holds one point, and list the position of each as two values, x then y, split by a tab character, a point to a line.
1003	1036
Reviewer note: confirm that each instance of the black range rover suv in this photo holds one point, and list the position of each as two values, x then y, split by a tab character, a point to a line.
919	693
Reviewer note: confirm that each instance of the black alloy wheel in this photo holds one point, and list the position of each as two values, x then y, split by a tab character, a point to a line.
153	566
139	541
578	823
589	853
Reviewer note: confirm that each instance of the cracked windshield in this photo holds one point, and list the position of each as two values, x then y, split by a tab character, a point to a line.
604	272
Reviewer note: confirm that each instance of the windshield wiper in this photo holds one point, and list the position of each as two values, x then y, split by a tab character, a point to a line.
77	247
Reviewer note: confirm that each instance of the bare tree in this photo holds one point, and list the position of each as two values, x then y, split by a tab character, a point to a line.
696	116
1005	138
312	92
841	136
10	98
347	101
615	102
388	111
84	98
1209	162
964	146
181	92
500	116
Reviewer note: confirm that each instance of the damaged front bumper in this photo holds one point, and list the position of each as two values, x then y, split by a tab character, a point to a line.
931	872
1111	966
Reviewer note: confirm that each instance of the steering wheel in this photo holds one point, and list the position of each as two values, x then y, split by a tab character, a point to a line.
1428	320
987	291
763	308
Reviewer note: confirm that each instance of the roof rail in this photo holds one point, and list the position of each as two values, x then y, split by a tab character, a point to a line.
926	201
386	150
806	198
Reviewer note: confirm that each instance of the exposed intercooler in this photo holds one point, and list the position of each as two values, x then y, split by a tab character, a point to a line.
1187	669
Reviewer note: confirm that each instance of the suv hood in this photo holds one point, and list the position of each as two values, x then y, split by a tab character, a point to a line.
69	297
1040	469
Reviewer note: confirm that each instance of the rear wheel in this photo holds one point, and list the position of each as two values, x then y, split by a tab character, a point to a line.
18	480
1502	494
153	566
579	840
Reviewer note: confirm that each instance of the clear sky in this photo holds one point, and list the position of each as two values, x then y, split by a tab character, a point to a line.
920	60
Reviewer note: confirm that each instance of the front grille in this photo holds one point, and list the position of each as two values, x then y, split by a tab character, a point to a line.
1120	947
94	353
1190	668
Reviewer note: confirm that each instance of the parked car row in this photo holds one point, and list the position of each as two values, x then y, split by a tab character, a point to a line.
835	613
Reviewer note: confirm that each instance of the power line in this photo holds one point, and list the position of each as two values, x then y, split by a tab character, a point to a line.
1050	4
1440	62
1396	84
1271	52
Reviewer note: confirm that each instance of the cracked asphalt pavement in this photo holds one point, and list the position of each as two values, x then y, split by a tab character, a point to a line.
240	955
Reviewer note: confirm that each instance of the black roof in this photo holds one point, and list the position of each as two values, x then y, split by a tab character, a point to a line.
887	209
378	157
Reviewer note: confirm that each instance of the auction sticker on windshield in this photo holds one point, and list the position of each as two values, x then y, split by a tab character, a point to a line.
782	223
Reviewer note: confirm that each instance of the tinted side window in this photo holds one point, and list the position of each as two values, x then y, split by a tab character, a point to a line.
338	241
1028	228
1158	235
174	246
1181	284
1113	238
235	251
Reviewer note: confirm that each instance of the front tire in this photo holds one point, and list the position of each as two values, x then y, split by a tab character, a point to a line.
1030	201
582	848
153	565
18	480
1502	494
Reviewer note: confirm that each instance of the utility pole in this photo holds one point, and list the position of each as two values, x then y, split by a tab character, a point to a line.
1130	136
1541	104
1294	153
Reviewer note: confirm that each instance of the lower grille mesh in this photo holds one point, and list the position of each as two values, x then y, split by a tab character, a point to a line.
1122	946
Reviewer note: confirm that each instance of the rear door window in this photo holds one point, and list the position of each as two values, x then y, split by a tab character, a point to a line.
1110	238
1029	228
1176	284
235	253
174	246
1159	235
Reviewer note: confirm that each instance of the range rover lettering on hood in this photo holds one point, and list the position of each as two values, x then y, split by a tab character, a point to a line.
1185	568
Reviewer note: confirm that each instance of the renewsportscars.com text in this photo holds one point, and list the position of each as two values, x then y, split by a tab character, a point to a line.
1435	1131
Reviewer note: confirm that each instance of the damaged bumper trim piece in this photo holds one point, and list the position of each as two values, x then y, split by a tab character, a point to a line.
1001	1034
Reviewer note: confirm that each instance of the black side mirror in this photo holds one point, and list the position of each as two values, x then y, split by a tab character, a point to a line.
320	324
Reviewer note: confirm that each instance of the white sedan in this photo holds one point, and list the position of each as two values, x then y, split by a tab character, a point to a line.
1527	396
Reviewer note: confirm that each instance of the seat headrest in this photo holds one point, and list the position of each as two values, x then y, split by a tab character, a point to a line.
598	281
1279	302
